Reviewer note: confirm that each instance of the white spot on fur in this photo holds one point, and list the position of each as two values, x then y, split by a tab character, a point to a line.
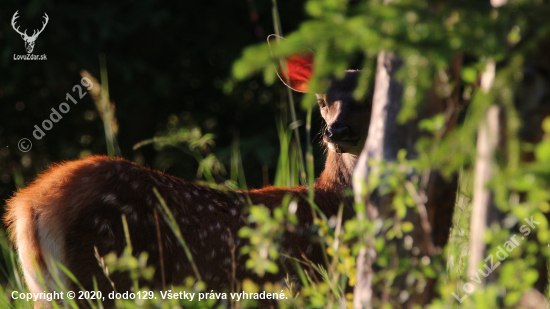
109	198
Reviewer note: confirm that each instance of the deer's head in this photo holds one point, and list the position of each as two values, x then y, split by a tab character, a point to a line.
347	120
29	40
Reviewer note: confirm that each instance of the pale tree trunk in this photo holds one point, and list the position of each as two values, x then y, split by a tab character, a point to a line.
386	137
487	140
382	144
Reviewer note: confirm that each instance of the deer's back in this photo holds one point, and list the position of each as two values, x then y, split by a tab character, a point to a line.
81	202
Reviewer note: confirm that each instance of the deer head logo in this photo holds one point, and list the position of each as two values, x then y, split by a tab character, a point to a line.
29	40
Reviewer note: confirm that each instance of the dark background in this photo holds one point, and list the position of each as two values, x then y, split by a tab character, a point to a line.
163	58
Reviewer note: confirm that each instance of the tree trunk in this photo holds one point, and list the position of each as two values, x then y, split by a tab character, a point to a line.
435	202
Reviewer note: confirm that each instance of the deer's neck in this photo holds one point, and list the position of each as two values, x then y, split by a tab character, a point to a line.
330	187
335	179
337	175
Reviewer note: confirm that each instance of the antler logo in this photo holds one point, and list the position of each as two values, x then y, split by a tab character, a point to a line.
29	40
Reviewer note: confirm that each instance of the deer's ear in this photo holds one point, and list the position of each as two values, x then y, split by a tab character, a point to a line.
299	68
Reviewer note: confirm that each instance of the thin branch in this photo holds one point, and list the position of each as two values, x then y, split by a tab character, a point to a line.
423	213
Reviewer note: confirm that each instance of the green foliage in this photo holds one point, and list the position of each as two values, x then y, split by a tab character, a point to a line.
266	233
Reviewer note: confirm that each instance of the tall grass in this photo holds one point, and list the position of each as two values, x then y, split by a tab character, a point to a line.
288	165
104	106
295	124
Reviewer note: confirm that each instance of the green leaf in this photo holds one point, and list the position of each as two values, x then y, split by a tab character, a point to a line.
542	152
469	74
407	227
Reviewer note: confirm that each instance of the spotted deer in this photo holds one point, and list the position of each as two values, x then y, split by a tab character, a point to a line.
77	205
